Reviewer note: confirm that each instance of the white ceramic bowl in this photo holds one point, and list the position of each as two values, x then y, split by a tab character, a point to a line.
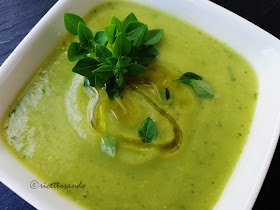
260	48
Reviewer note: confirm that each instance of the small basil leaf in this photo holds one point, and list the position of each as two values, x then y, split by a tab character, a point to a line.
122	46
119	79
85	66
131	17
108	145
85	35
75	52
124	71
94	80
113	89
135	68
154	36
187	77
146	55
104	71
165	97
145	60
71	22
119	26
102	74
102	64
110	31
143	37
134	30
102	53
123	62
100	37
97	80
113	61
148	131
151	51
202	88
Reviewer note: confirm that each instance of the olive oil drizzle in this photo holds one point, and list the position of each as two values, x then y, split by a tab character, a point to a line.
167	147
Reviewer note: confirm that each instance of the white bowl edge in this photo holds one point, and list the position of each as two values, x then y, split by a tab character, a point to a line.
257	46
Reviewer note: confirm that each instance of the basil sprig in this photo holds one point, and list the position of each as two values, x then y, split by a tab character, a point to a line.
124	48
201	88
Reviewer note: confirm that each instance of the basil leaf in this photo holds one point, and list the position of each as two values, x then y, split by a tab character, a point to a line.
119	26
102	53
154	36
124	70
134	30
123	62
150	51
104	71
102	74
97	80
146	55
119	78
85	66
94	80
102	64
187	78
145	61
85	35
148	131
131	17
71	22
108	145
110	31
143	37
100	37
113	61
113	89
75	52
202	89
165	97
122	46
135	68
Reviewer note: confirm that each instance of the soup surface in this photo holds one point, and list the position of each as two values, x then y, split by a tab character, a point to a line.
48	129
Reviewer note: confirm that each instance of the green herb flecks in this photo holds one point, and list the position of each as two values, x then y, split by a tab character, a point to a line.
131	50
201	88
148	131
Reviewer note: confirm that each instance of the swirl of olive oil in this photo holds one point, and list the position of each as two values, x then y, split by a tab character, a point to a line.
167	147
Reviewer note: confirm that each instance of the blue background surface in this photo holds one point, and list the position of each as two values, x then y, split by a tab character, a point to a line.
17	17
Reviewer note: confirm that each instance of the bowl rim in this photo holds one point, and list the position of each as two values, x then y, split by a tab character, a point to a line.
209	8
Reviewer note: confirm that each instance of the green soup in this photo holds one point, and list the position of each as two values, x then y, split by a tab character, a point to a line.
50	133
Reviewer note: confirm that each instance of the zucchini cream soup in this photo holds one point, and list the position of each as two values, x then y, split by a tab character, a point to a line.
144	111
